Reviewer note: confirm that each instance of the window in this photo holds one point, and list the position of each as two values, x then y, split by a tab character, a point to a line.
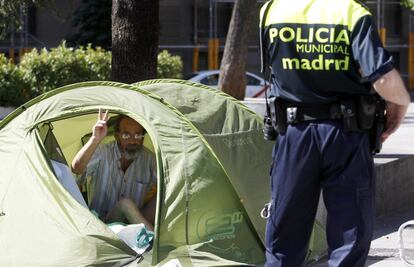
210	80
250	80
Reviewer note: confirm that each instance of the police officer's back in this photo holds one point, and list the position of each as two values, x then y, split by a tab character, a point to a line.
326	57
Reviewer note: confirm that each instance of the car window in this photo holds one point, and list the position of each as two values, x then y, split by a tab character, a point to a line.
190	76
210	80
250	80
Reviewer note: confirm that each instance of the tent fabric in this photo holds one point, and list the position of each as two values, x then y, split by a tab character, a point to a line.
234	133
65	177
212	167
191	176
41	217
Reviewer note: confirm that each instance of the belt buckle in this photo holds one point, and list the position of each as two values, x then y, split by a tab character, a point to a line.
291	114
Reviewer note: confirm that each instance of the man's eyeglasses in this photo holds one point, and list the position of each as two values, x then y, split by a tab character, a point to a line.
127	136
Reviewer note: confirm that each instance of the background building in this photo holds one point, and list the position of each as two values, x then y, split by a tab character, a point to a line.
196	31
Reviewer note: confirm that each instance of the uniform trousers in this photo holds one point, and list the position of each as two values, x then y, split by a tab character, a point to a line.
308	158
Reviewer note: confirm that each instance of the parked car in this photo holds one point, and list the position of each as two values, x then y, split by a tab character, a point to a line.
255	87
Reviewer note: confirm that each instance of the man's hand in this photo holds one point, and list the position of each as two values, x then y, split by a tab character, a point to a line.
395	115
100	129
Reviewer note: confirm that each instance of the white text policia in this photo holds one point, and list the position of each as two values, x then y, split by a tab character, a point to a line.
317	41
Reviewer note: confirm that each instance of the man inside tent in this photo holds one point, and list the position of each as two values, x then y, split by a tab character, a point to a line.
123	172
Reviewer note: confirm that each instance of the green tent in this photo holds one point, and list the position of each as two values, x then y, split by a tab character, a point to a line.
212	167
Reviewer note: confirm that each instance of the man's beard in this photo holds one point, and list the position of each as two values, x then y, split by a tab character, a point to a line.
130	152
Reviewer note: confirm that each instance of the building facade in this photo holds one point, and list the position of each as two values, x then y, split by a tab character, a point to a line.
188	26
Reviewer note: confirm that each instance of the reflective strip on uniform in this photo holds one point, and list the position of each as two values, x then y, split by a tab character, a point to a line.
339	12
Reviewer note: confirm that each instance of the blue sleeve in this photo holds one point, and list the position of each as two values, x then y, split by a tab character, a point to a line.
369	54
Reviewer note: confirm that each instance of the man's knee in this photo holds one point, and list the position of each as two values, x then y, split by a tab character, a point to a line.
126	204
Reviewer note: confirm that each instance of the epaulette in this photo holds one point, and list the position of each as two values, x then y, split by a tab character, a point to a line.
362	4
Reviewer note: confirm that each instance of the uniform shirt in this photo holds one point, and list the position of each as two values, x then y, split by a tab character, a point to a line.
322	50
111	184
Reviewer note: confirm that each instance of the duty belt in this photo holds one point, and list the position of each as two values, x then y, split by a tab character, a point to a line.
284	113
363	113
297	114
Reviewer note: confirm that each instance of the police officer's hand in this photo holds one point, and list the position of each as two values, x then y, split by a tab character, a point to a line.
395	115
100	129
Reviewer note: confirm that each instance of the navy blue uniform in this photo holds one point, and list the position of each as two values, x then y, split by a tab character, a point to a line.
321	51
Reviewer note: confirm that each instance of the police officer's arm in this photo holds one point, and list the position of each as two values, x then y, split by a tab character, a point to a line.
391	87
99	131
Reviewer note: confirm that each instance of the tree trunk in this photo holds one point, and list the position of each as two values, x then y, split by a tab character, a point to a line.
233	65
134	40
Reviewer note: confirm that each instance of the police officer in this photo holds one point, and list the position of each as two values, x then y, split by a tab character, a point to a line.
324	56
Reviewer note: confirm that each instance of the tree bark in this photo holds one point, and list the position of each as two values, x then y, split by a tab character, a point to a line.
232	78
134	40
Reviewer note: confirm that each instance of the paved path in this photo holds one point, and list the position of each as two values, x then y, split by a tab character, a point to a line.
385	245
384	249
401	143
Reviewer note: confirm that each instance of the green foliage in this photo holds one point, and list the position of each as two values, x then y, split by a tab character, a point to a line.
14	91
10	15
11	10
408	4
47	70
169	66
42	71
93	18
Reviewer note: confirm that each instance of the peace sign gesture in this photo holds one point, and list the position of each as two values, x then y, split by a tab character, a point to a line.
100	129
